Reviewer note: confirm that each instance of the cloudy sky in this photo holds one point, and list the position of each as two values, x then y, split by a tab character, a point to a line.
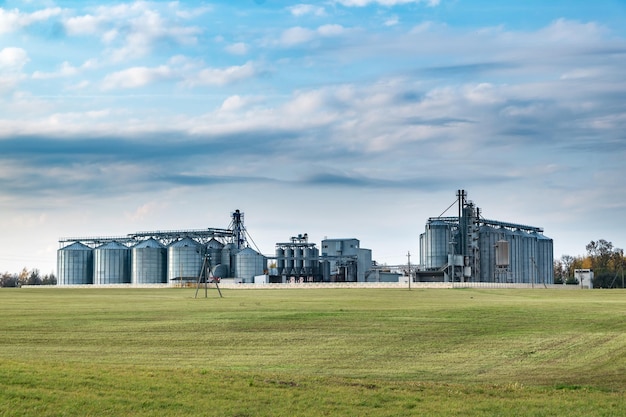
338	118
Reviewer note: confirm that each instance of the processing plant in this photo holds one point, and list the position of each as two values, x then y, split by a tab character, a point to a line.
178	257
158	257
470	248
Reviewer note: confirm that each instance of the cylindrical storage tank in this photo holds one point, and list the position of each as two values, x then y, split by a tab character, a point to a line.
111	264
487	238
184	260
518	257
214	250
149	263
228	253
530	247
248	264
280	259
545	259
437	240
289	260
75	265
298	255
308	260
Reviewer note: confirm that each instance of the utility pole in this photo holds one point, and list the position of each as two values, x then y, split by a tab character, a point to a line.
409	264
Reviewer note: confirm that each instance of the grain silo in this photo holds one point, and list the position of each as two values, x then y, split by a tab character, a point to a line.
184	260
111	264
249	263
149	263
475	239
75	265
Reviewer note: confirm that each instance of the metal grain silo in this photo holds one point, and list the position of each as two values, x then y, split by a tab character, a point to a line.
298	255
111	264
311	255
487	238
289	261
149	263
436	244
184	260
214	250
75	265
228	253
249	263
280	260
544	259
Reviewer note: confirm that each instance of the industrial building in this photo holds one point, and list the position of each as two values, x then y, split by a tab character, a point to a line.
177	257
463	248
341	260
470	248
159	257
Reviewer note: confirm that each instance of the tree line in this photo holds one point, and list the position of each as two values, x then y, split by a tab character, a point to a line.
26	277
606	261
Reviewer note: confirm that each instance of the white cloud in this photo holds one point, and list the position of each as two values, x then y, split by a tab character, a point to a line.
12	20
233	103
296	35
299	35
136	77
12	59
238	48
307	9
66	70
133	30
362	3
222	76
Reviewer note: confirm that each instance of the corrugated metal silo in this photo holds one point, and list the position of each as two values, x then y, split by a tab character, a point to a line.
249	263
545	257
228	253
75	265
214	250
437	240
111	264
280	260
149	263
310	260
289	261
487	238
184	260
298	255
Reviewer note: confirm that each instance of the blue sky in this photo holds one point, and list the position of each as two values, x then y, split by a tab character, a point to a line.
346	118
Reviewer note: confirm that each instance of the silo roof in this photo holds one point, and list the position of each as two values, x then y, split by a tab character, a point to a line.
112	245
184	243
76	246
150	243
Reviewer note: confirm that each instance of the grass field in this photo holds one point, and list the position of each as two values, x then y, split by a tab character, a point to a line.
336	352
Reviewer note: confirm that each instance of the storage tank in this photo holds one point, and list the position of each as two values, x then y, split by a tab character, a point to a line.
184	260
111	264
436	244
487	238
214	250
228	253
149	263
289	261
280	260
75	265
249	263
298	255
310	260
545	258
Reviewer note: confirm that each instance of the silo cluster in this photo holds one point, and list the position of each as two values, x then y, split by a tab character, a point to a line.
468	247
152	262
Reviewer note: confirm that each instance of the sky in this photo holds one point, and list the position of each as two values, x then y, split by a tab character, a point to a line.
339	118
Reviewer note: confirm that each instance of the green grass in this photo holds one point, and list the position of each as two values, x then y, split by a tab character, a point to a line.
352	352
